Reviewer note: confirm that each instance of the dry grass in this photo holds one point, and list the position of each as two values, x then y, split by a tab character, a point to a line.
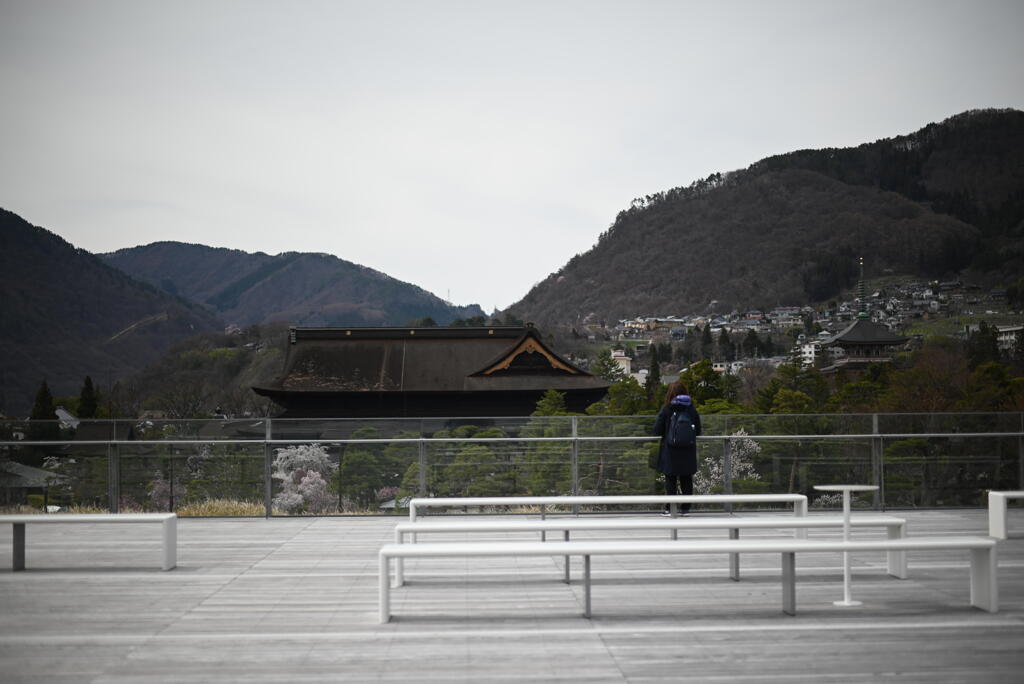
20	510
32	510
222	507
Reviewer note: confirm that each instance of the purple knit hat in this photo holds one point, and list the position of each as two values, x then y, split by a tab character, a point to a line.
682	400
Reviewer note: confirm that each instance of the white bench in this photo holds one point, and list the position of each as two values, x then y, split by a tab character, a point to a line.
895	527
799	501
983	579
168	524
997	512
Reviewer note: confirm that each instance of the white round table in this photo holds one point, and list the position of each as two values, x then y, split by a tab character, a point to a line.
846	489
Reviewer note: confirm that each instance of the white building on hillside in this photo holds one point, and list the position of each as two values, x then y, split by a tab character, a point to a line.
626	363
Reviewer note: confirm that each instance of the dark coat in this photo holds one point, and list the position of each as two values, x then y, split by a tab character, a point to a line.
676	460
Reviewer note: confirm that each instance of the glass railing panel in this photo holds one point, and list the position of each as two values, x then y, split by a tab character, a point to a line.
618	468
939	472
54	478
371	477
615	426
460	469
931	423
796	466
211	479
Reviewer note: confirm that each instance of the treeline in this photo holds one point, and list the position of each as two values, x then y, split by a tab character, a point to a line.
976	187
205	376
944	374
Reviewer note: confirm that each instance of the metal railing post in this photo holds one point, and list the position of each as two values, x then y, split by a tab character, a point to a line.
574	462
877	472
422	458
727	471
268	483
114	477
727	466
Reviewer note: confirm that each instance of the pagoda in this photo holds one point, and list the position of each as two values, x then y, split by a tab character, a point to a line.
863	342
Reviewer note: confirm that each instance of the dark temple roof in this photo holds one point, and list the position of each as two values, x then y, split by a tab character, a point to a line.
864	331
405	360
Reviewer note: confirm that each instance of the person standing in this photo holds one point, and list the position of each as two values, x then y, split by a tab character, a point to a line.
678	425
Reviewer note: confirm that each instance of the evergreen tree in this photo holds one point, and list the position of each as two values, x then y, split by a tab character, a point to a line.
726	349
792	401
42	409
983	345
707	344
87	400
688	351
624	398
366	469
703	382
551	404
751	344
653	383
607	368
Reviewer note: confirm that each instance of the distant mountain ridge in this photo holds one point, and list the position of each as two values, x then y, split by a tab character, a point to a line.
302	288
66	314
946	200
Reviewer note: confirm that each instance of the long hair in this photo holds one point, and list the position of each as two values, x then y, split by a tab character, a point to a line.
675	389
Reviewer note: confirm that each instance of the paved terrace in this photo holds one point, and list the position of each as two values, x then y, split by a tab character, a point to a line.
295	600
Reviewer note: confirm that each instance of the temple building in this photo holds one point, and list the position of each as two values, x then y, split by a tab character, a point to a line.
424	372
861	343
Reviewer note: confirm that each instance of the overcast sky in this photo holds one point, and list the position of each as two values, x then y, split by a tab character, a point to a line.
471	148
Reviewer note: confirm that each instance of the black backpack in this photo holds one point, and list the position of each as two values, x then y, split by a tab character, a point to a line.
681	430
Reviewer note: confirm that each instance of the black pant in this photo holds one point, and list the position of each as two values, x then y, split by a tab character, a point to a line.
679	484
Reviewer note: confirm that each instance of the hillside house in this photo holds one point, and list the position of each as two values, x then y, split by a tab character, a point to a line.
625	363
1006	336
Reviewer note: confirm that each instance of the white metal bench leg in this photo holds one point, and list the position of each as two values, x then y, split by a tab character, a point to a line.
385	589
897	560
19	547
800	511
565	536
997	515
734	558
789	583
399	562
169	530
586	587
985	579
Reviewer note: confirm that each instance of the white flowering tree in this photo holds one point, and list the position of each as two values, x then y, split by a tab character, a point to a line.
710	477
304	471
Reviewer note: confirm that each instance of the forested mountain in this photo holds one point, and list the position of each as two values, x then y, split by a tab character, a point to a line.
66	314
946	200
300	288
